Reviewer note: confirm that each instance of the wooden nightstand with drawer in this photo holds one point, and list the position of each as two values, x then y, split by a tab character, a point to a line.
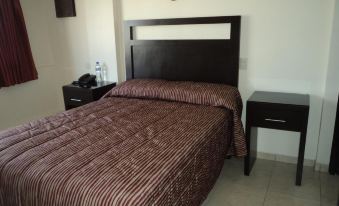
273	110
75	96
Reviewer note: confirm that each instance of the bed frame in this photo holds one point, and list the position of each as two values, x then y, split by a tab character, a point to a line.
213	61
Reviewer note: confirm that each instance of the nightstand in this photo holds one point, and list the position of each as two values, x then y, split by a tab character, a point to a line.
273	110
75	96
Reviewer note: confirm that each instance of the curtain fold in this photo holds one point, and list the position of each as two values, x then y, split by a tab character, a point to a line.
16	60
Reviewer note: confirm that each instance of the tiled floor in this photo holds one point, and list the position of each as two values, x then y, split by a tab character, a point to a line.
272	184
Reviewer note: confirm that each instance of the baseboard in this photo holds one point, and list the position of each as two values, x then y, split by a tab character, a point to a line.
321	167
266	156
292	160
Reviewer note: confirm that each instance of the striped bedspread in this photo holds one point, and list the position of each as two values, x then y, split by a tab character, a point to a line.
116	151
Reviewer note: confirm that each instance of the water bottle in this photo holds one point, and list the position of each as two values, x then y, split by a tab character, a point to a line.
98	72
104	73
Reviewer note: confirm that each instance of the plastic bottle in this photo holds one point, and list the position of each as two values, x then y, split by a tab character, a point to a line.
98	72
104	73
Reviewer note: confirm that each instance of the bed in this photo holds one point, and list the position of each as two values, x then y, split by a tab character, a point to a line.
159	138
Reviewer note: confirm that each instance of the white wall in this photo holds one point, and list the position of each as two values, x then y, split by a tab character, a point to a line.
331	95
63	49
284	47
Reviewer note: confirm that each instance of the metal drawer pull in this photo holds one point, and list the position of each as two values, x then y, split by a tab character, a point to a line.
76	100
275	120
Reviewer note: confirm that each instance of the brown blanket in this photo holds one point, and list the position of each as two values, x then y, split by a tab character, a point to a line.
217	95
117	151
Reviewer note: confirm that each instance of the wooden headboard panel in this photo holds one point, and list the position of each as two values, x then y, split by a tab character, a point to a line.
213	61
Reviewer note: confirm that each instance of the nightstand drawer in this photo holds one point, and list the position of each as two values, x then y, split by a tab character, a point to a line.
283	119
77	97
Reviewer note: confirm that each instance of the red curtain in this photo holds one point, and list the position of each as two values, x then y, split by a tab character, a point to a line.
16	60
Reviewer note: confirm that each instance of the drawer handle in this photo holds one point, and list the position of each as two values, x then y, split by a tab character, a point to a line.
76	100
275	120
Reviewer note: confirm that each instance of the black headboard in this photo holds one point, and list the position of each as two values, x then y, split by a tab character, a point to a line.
214	61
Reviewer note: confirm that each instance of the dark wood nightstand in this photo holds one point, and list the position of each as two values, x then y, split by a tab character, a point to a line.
281	111
75	96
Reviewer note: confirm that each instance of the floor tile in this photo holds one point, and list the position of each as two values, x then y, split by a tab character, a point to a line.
277	199
310	188
290	170
329	189
233	188
258	182
228	194
263	167
234	199
234	162
326	204
271	184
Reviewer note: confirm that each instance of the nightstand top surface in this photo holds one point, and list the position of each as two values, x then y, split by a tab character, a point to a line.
280	98
99	85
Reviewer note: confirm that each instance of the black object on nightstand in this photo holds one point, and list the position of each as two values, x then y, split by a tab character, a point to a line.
273	110
75	96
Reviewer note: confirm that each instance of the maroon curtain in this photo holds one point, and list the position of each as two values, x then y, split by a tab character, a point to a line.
16	60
